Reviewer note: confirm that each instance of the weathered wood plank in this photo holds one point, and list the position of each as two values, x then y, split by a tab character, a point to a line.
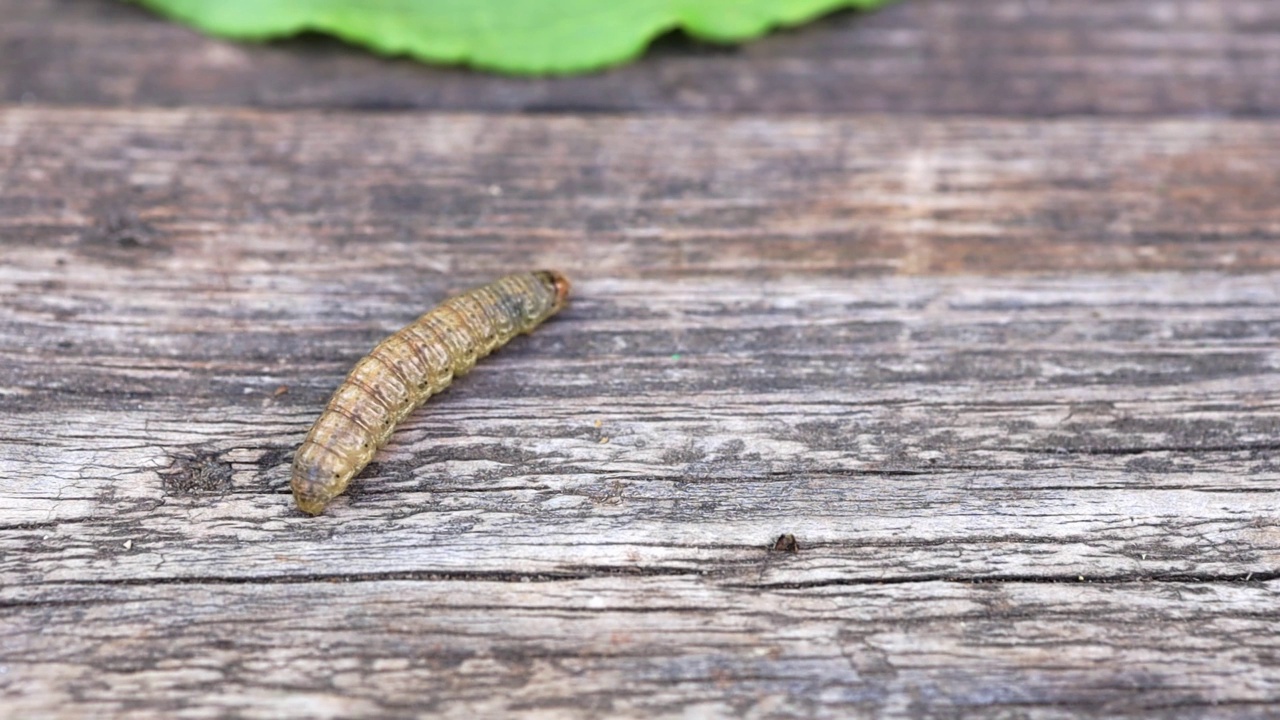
1013	57
642	647
1116	430
759	344
981	428
475	196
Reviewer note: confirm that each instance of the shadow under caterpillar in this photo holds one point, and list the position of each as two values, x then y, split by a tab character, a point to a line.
407	368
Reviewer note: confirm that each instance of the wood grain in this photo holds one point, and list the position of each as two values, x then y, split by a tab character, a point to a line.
1098	454
1005	57
835	405
582	526
644	646
142	196
1010	384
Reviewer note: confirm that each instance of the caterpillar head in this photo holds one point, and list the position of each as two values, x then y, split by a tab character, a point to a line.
319	476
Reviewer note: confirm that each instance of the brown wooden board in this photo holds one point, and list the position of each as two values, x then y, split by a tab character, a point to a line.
346	201
666	646
1007	57
1011	386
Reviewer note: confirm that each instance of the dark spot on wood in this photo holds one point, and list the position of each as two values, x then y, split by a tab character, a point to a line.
275	457
786	543
119	236
197	474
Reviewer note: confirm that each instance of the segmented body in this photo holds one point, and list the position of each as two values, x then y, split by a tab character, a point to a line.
407	368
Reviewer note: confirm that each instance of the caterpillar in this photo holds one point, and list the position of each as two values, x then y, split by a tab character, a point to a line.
407	368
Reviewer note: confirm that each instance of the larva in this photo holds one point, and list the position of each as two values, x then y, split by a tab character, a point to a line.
407	368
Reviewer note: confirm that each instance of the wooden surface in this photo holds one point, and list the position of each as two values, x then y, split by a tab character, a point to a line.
1011	381
1024	57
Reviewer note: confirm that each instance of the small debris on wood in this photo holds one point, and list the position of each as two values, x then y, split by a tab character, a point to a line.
786	543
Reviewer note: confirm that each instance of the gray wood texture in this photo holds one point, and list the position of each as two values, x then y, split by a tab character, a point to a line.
1011	386
473	196
920	364
1006	57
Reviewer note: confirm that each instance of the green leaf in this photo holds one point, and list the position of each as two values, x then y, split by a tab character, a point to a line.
516	36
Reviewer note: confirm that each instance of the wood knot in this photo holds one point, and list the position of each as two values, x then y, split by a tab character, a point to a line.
197	474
